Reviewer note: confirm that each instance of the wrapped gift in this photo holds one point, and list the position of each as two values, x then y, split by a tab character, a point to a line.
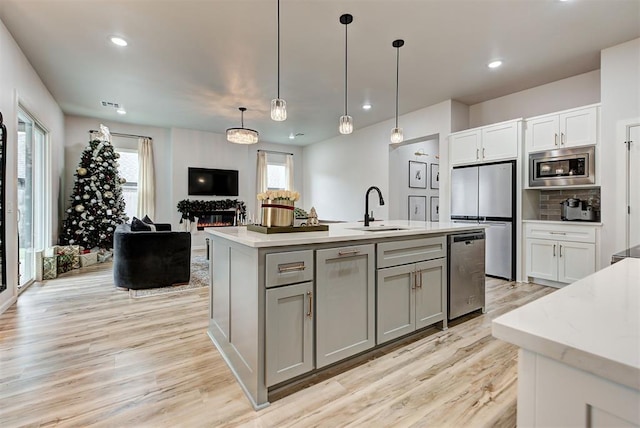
50	251
88	259
70	250
65	263
104	255
49	267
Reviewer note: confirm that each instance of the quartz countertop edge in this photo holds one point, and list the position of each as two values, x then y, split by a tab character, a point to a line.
592	324
566	222
339	232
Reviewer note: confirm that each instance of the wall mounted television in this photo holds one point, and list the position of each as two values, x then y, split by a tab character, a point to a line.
213	182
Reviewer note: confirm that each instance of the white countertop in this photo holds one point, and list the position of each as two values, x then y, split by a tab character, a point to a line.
338	232
592	324
565	223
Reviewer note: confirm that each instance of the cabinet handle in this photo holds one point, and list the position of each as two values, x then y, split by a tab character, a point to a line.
348	253
555	139
310	297
562	138
419	275
414	283
554	250
560	250
291	268
558	233
483	153
477	153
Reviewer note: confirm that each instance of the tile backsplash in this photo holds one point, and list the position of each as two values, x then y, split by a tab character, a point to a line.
550	200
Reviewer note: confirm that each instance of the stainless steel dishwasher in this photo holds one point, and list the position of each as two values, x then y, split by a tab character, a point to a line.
465	273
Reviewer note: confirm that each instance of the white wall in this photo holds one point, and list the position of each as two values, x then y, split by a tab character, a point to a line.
21	84
574	91
620	106
337	172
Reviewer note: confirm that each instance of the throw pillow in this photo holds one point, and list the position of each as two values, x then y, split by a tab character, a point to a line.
138	225
147	220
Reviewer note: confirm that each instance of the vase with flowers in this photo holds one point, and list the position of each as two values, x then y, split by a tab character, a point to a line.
278	207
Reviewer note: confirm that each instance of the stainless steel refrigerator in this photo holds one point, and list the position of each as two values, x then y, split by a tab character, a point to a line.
485	194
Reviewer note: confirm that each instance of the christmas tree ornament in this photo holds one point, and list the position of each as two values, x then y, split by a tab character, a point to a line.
77	198
106	186
82	171
99	158
108	194
85	196
79	208
123	180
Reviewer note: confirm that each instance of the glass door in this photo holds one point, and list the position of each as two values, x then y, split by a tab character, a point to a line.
31	196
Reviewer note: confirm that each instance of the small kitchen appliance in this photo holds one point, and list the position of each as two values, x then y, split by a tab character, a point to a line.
562	167
573	209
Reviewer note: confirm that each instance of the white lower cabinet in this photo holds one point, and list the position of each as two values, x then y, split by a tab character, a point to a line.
289	326
553	255
345	289
409	297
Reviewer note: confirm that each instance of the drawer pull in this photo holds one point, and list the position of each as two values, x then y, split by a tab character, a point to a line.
310	297
554	250
348	253
558	233
560	250
291	268
556	139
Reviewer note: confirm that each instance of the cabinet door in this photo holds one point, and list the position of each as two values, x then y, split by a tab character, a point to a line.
500	142
542	133
575	260
289	332
464	147
431	292
345	305
579	128
395	302
542	259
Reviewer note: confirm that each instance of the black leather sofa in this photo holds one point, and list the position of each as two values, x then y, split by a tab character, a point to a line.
145	259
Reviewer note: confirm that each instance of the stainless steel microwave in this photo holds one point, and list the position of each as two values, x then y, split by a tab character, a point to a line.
563	167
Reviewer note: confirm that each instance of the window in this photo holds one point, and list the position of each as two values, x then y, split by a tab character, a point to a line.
276	176
128	169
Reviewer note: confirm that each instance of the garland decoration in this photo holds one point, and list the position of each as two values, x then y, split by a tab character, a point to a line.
192	209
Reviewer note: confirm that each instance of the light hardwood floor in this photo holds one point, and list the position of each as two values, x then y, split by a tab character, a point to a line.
75	351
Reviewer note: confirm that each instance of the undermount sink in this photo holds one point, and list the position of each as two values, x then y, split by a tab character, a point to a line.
378	228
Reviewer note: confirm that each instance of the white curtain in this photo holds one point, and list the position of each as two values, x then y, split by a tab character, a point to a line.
146	180
261	173
289	172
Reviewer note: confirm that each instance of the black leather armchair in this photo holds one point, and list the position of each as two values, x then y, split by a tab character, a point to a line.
144	259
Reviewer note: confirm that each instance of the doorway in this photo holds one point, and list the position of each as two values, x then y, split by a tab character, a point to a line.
32	195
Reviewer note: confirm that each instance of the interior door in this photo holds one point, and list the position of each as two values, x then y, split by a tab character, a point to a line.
633	185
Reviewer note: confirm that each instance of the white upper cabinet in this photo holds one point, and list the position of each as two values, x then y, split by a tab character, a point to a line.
486	144
571	128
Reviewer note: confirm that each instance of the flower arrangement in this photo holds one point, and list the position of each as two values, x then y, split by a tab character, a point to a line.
279	194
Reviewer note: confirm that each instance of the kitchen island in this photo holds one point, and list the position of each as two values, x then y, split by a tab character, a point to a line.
284	306
579	357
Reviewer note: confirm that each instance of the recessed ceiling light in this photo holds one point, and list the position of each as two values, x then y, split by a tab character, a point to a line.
494	64
366	106
292	137
118	41
121	110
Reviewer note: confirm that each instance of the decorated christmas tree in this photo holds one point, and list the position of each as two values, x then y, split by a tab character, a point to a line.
97	205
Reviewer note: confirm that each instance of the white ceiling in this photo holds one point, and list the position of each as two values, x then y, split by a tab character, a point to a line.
191	64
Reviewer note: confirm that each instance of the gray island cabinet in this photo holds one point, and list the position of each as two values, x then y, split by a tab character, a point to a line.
284	306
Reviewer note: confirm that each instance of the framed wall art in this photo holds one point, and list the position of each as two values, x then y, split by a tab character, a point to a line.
417	175
418	208
435	209
435	176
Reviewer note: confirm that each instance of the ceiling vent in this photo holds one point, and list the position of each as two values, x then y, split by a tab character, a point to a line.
110	104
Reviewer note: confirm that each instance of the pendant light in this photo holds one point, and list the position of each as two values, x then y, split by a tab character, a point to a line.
396	133
346	121
278	105
242	135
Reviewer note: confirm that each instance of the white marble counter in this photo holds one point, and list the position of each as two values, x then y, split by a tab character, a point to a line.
338	232
567	223
592	324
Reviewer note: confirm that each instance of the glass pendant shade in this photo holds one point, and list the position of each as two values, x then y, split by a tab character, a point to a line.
278	109
346	124
242	136
396	136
